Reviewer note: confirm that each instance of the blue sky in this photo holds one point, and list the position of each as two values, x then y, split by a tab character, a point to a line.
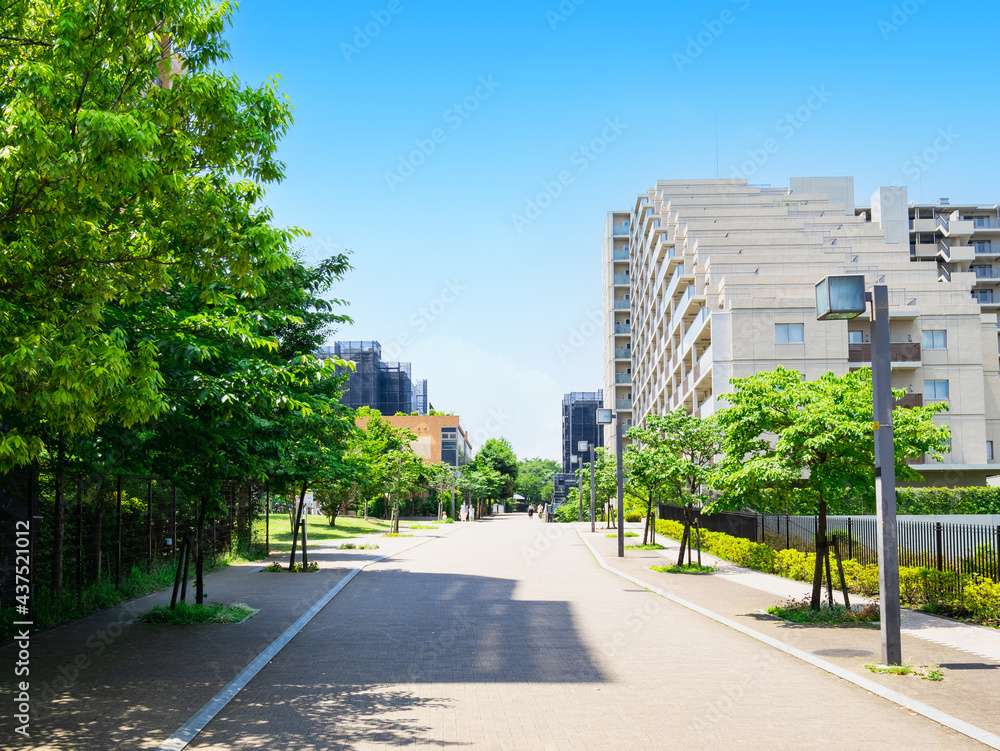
422	142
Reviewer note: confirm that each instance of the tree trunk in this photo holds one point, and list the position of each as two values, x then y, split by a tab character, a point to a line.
686	535
295	526
817	591
649	517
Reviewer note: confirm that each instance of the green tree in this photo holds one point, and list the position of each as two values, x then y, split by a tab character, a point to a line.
441	479
116	165
816	439
605	480
482	482
498	454
683	448
533	475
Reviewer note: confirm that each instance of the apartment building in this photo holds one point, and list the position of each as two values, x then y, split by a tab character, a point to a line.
579	423
617	288
440	439
709	280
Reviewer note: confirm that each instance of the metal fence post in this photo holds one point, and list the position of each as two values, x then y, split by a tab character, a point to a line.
850	539
788	531
939	546
118	544
79	539
173	525
149	525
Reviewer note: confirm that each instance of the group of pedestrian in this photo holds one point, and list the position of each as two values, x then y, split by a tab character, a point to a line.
533	509
467	513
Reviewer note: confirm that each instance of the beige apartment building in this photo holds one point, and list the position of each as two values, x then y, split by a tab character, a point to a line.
709	280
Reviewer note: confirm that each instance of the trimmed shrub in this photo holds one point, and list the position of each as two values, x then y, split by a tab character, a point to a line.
938	591
633	516
982	598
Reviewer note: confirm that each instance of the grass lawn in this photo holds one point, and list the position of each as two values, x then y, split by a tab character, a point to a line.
319	530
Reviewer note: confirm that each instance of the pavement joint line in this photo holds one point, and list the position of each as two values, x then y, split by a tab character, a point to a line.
197	722
961	726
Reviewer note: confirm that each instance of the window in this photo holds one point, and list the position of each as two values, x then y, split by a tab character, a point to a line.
855	337
936	340
789	333
989	451
936	390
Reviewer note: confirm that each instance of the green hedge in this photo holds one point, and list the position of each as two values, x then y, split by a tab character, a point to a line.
974	594
974	500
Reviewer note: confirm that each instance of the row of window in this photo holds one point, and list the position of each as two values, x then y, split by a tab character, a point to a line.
794	333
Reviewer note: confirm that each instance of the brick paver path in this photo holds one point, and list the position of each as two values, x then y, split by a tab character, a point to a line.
507	635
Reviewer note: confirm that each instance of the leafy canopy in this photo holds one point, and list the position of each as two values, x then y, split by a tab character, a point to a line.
129	167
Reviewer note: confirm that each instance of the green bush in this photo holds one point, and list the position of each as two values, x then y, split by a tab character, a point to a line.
937	591
567	512
971	500
633	516
982	598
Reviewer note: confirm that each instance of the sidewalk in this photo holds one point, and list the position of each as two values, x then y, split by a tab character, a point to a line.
104	682
970	659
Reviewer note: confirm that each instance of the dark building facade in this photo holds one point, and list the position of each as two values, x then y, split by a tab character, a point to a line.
376	383
579	423
561	483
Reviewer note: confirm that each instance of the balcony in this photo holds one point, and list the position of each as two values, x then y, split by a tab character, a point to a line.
623	328
899	352
988	249
987	298
619	229
623	378
623	404
985	222
621	254
623	303
909	401
987	272
623	354
694	329
622	279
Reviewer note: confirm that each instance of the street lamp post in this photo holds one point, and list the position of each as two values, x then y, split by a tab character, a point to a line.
843	297
581	446
604	417
592	491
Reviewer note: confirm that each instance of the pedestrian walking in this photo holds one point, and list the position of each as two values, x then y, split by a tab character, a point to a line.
472	513
464	512
531	511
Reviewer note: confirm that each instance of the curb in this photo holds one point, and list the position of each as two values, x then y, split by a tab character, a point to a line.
960	726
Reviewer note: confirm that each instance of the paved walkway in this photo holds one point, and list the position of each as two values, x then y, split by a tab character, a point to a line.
500	635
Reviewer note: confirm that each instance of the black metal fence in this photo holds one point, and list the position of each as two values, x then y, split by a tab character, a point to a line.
945	546
87	530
